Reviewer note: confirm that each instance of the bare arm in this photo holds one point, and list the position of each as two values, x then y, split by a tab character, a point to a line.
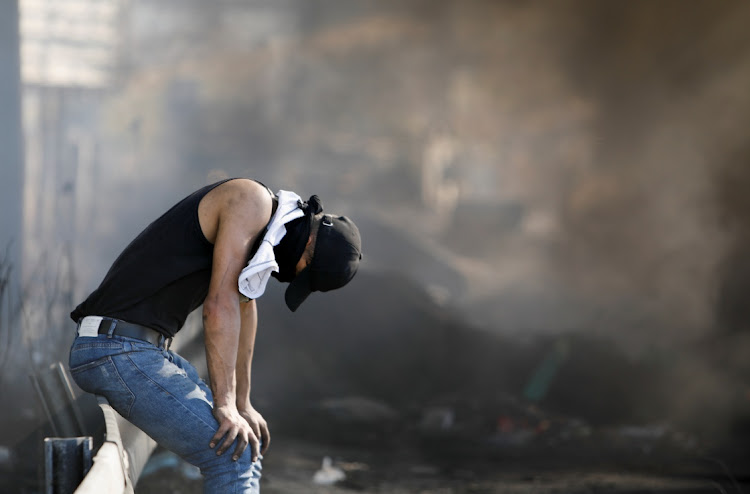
248	330
242	212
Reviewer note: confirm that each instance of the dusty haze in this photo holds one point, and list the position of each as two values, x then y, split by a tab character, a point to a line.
535	170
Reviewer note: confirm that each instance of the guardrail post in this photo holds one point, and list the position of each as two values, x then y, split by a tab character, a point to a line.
66	462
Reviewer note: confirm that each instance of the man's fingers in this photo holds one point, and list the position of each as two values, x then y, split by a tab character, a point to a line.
266	435
241	445
229	438
255	428
217	437
255	447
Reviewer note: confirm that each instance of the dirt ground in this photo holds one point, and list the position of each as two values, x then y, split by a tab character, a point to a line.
580	466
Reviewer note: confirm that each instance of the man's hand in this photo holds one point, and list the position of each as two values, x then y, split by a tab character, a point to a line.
259	427
233	426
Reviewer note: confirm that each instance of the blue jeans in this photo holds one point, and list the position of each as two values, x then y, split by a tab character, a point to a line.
162	394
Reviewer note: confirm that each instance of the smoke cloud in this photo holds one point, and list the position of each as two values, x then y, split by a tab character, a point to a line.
538	169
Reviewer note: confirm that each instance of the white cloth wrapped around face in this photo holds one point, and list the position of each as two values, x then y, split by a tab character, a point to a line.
254	277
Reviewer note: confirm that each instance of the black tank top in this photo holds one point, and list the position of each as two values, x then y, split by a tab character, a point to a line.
162	276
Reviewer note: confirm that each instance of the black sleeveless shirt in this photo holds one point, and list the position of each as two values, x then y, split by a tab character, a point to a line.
162	275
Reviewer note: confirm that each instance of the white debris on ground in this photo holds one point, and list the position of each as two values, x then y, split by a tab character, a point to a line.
438	418
328	474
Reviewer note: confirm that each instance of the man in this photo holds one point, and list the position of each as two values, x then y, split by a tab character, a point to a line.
217	247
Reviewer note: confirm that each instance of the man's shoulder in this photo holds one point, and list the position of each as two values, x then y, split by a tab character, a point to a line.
240	200
237	193
239	189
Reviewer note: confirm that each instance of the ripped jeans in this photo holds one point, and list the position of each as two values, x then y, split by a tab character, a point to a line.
162	394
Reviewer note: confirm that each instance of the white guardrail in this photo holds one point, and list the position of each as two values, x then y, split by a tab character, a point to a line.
117	464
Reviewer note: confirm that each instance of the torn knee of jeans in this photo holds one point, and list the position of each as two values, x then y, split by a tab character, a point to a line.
197	394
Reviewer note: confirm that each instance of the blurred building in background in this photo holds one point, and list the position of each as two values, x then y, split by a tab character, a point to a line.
70	43
11	181
69	58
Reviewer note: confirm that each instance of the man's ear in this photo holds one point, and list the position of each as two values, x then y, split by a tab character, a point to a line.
307	253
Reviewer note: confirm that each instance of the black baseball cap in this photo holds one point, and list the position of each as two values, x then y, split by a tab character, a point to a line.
338	250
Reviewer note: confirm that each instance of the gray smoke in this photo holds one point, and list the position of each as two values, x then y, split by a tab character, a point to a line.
567	167
537	168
